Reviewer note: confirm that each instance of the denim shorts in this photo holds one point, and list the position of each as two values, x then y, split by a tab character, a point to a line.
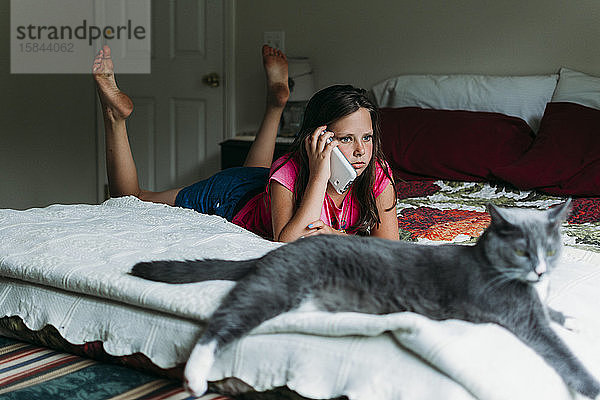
225	193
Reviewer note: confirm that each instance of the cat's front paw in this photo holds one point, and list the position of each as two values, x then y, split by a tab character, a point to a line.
197	368
195	386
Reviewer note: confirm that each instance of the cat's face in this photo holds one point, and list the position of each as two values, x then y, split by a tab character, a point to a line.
526	244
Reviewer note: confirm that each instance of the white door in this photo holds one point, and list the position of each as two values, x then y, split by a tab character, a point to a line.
178	119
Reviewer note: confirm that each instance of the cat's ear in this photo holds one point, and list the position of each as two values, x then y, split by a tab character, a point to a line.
499	219
559	213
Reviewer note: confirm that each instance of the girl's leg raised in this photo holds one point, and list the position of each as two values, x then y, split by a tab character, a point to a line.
116	107
278	92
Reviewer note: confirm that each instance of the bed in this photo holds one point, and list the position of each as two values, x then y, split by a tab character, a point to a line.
64	276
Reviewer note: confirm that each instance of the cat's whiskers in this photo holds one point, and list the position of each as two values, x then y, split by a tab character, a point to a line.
494	285
504	277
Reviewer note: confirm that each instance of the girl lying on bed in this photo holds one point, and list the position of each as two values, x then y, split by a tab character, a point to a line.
291	197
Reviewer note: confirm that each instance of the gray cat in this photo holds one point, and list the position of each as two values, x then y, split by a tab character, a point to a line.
491	281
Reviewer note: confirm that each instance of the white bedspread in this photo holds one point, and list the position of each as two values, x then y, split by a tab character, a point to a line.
67	266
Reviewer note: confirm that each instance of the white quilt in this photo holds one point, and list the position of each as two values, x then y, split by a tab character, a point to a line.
67	266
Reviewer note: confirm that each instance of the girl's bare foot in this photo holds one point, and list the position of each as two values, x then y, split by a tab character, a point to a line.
276	69
116	104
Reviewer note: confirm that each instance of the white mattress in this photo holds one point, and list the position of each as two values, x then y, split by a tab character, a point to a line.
67	266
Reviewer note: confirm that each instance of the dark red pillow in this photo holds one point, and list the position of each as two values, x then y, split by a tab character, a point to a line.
454	145
565	156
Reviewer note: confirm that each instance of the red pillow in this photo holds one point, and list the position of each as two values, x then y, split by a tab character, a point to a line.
565	156
453	145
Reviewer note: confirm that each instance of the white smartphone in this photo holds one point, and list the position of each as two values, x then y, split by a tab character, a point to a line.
342	172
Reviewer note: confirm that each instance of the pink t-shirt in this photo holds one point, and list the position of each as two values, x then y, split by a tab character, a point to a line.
256	214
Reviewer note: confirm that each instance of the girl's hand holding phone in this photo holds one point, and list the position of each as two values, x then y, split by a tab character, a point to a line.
319	153
320	147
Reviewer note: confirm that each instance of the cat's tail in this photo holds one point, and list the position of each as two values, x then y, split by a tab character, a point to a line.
193	270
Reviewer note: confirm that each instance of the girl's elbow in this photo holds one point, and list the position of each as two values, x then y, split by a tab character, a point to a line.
285	236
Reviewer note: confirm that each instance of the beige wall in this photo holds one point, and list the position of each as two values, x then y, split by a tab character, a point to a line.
47	135
364	42
47	122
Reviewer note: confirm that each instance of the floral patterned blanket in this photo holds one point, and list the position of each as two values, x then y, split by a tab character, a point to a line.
433	211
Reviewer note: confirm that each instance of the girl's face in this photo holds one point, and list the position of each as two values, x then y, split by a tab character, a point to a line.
354	132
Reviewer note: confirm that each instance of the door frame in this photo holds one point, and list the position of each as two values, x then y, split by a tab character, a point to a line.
229	123
229	116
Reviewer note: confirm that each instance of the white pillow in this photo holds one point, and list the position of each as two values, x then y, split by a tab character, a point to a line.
519	96
577	87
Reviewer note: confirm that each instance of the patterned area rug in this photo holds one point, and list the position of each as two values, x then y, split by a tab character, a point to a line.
33	372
